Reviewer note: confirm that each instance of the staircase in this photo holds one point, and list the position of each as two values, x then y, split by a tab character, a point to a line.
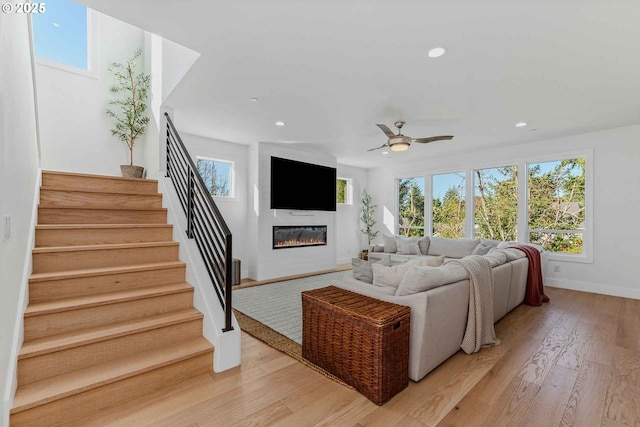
110	317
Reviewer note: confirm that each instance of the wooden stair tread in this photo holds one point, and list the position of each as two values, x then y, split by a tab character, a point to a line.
99	226
67	304
69	384
120	178
62	275
52	249
81	337
100	208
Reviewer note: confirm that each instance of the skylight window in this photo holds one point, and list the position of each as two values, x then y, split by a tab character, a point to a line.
61	34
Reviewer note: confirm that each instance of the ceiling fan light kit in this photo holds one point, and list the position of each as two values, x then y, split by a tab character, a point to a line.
401	142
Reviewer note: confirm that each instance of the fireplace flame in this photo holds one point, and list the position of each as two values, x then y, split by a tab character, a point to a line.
298	242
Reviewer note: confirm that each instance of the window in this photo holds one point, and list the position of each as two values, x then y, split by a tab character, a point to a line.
411	206
344	190
496	203
556	205
448	205
217	176
63	36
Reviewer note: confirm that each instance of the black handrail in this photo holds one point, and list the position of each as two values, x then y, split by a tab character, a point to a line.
205	223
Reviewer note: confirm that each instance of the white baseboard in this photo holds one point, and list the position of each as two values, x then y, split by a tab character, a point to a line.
595	288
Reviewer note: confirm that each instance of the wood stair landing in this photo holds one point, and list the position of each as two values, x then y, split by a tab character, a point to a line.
110	316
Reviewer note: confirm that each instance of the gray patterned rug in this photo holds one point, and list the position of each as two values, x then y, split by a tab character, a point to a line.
279	305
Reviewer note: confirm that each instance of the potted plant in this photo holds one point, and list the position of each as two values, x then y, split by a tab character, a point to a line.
129	109
367	216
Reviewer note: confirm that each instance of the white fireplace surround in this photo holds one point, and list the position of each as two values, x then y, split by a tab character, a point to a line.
265	262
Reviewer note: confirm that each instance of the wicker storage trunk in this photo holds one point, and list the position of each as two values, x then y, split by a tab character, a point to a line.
361	340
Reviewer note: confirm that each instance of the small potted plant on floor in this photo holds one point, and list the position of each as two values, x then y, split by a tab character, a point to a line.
129	107
367	216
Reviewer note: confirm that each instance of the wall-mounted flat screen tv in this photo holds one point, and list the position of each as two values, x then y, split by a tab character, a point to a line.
302	186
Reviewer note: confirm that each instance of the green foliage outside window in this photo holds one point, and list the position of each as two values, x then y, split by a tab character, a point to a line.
411	206
341	191
449	209
496	203
557	203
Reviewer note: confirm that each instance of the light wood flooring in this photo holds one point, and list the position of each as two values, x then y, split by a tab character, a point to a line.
574	361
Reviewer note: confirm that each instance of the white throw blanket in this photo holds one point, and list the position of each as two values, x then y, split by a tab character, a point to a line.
480	331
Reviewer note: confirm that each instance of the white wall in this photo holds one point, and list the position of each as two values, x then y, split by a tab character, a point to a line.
350	240
18	183
74	128
234	210
616	202
268	263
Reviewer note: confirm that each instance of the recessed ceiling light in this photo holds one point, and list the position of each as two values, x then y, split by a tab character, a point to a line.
385	152
55	24
436	52
278	123
254	99
521	124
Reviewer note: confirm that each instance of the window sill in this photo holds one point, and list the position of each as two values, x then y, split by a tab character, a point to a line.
92	74
583	259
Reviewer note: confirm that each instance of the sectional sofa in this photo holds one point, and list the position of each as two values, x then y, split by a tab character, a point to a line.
439	295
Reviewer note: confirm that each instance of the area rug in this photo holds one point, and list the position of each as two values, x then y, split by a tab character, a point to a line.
272	313
279	305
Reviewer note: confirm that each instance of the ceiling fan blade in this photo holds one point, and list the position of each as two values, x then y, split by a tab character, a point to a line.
377	148
433	138
386	130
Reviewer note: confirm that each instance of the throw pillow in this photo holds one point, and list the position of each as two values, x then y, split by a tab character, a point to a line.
407	245
423	244
389	276
496	257
452	248
389	244
378	248
481	249
362	269
420	279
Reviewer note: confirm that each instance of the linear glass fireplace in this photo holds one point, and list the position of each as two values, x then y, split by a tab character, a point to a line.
296	236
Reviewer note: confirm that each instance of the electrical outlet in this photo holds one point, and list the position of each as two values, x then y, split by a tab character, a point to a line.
556	269
7	227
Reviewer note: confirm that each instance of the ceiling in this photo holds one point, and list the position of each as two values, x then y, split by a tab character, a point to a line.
333	69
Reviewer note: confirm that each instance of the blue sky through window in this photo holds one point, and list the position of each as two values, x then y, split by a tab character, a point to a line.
441	183
60	34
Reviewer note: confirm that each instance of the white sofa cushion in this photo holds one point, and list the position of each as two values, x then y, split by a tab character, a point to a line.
423	244
407	245
362	269
391	276
389	244
452	248
420	279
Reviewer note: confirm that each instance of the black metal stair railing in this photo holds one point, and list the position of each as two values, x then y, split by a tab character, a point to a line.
205	223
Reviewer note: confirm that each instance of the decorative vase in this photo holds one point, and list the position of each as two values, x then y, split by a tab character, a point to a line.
364	254
131	171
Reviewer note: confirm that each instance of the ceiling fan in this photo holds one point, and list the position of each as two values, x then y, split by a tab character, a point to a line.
401	142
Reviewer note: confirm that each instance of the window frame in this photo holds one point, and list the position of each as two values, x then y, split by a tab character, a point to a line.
232	175
587	235
522	183
93	50
348	190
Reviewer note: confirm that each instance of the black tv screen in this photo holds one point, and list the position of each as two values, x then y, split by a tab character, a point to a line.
302	186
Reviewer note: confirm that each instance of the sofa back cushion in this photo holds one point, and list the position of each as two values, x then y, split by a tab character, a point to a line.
389	243
362	269
452	248
391	276
420	279
407	245
423	244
